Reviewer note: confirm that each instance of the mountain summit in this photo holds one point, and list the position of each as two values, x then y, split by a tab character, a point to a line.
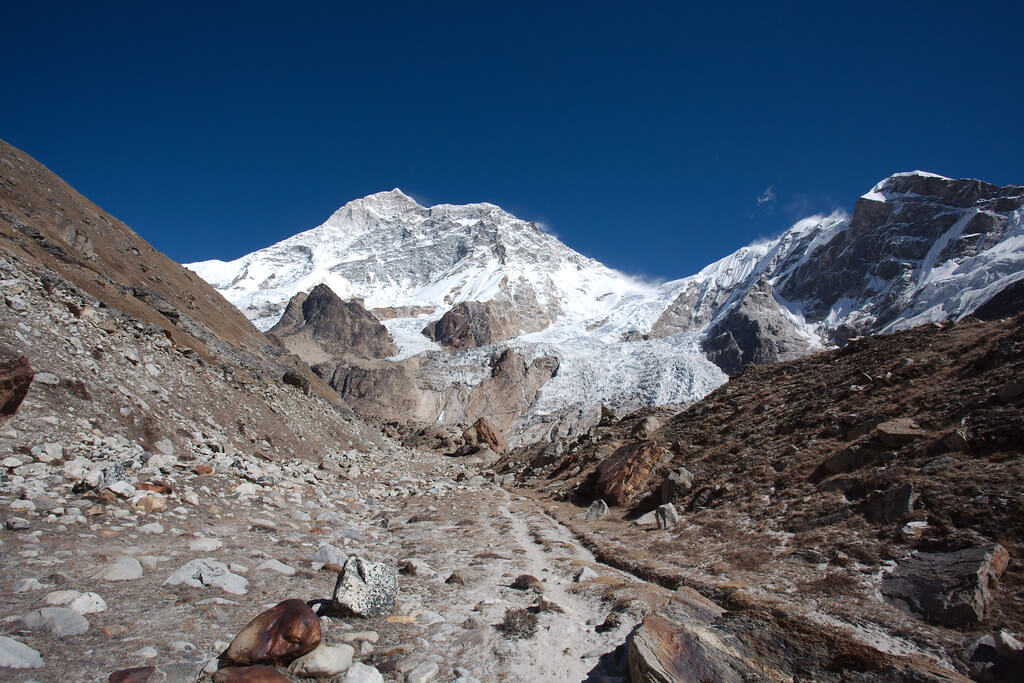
918	248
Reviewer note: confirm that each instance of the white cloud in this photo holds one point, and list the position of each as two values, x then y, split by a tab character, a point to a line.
766	197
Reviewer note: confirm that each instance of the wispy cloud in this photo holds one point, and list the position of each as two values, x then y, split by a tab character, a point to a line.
766	197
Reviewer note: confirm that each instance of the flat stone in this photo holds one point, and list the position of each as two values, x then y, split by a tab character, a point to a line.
25	585
59	622
88	603
122	569
209	572
16	655
328	554
423	673
276	566
205	545
951	589
325	661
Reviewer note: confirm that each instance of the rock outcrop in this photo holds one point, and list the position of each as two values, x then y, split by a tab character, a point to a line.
15	379
953	589
469	324
320	328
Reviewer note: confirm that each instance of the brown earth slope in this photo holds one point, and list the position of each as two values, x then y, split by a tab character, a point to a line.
806	483
46	222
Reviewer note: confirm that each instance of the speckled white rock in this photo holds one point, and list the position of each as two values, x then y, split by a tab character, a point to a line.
366	588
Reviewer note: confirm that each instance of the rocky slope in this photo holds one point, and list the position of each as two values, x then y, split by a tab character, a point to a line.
873	488
918	248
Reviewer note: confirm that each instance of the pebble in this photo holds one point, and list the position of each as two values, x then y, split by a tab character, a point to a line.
148	652
123	569
25	585
209	572
60	622
205	545
152	528
423	673
361	673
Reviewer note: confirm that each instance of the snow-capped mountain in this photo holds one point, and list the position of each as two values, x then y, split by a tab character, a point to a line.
918	248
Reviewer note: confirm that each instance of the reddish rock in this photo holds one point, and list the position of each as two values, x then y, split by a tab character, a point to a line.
623	476
279	635
250	674
482	433
202	469
138	674
157	486
899	432
15	378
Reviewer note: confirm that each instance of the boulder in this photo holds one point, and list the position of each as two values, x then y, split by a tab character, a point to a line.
951	589
597	510
890	506
277	636
666	516
623	476
324	662
899	432
482	433
208	572
365	588
15	379
16	655
59	622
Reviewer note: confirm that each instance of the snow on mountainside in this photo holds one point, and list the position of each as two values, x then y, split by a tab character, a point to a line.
918	248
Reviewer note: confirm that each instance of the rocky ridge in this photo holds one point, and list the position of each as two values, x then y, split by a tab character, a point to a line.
918	248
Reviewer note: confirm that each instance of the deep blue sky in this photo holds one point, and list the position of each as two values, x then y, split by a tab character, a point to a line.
642	134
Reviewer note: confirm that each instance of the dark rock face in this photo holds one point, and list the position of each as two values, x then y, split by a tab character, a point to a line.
624	475
755	331
15	379
888	239
279	635
469	324
320	326
952	589
892	505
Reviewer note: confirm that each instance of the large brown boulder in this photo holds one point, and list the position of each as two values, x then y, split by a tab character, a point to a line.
15	378
483	434
279	635
623	476
250	674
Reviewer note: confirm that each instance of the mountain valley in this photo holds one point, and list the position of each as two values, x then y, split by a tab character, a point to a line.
801	463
